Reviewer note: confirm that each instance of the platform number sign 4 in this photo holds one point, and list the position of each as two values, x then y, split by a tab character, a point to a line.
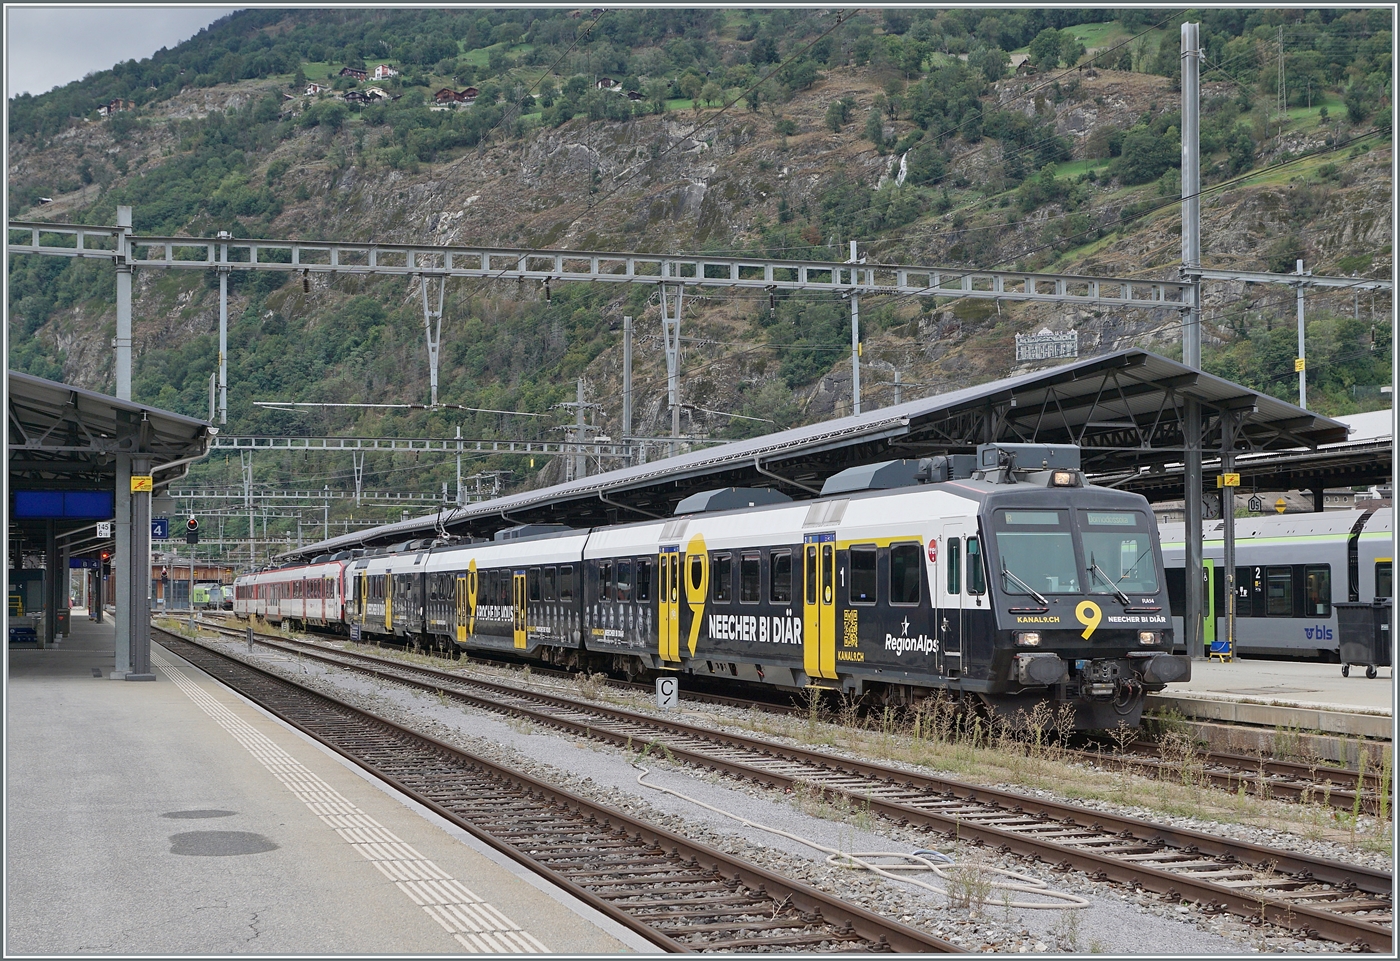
668	693
160	528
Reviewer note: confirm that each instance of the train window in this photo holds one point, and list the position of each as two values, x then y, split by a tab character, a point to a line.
976	577
605	576
1383	582
1119	543
624	581
722	579
566	583
828	566
905	561
532	581
863	575
750	578
697	578
1037	553
955	565
810	573
551	579
1317	582
780	577
1280	591
643	579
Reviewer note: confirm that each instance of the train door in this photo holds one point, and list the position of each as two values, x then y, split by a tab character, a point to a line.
668	597
460	606
950	619
819	605
518	608
1214	639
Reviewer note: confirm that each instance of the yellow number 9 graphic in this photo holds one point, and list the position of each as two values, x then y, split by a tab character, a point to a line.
1089	615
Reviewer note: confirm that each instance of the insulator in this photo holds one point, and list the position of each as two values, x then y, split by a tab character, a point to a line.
306	281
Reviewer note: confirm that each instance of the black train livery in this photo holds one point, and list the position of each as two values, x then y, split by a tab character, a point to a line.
1001	578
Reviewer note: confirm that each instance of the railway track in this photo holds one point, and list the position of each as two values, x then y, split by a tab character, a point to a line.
680	895
1339	902
1263	777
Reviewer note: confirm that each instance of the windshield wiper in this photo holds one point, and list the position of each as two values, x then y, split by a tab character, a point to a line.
1030	590
1095	569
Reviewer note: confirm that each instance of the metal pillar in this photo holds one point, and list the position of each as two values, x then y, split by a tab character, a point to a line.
627	381
65	579
139	576
898	391
671	335
460	502
433	332
223	330
123	363
121	569
357	457
1319	499
580	458
855	336
50	632
1229	426
1302	362
245	458
1194	620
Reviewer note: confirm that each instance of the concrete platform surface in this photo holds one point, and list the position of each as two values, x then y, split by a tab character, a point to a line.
1292	683
176	818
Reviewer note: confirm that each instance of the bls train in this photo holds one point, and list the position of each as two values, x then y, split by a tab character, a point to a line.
1001	578
1289	569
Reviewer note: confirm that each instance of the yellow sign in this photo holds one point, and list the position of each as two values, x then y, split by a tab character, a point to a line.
1299	364
1280	505
1089	614
1228	480
142	483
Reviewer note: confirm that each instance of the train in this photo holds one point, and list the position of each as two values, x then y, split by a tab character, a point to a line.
1289	571
1000	578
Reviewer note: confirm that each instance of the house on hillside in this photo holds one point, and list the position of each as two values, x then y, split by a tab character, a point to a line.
634	95
469	95
314	88
113	106
446	95
355	96
383	72
374	93
354	72
605	83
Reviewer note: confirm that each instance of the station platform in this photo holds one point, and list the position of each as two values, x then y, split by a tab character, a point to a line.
176	818
1288	707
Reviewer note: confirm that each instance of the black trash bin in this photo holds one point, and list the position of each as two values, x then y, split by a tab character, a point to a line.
1363	634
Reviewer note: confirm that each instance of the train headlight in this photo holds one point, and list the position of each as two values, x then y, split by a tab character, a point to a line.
1064	478
1149	637
1027	638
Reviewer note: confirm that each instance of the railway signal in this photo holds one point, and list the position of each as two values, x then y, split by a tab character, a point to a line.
192	531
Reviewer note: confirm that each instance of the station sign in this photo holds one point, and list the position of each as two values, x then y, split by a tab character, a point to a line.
84	563
160	528
104	528
142	483
1255	504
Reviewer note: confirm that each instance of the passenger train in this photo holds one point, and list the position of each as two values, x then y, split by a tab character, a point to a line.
1289	571
1001	578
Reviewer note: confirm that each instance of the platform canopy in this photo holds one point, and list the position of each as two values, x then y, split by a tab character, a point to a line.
1125	409
64	439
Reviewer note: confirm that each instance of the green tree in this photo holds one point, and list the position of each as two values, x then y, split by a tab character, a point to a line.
1044	50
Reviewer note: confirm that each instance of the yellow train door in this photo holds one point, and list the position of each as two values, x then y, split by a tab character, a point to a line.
518	608
819	605
668	619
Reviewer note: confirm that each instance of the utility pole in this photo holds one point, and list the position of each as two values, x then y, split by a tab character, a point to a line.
671	335
1301	364
223	328
433	333
627	382
898	391
1194	619
459	466
855	334
578	434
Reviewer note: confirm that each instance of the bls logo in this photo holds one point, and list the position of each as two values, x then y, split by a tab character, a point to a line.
1319	633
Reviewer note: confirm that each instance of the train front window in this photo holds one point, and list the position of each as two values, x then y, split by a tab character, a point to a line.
1036	552
1120	544
1383	583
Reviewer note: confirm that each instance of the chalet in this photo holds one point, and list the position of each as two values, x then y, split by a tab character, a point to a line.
374	93
469	95
634	95
114	106
314	88
606	83
446	95
354	72
383	72
355	96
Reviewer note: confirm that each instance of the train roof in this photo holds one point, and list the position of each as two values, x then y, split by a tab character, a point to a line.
1307	524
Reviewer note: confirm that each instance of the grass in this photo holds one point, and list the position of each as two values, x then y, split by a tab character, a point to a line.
1078	168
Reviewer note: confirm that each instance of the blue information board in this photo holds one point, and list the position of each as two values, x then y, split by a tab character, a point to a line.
160	528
